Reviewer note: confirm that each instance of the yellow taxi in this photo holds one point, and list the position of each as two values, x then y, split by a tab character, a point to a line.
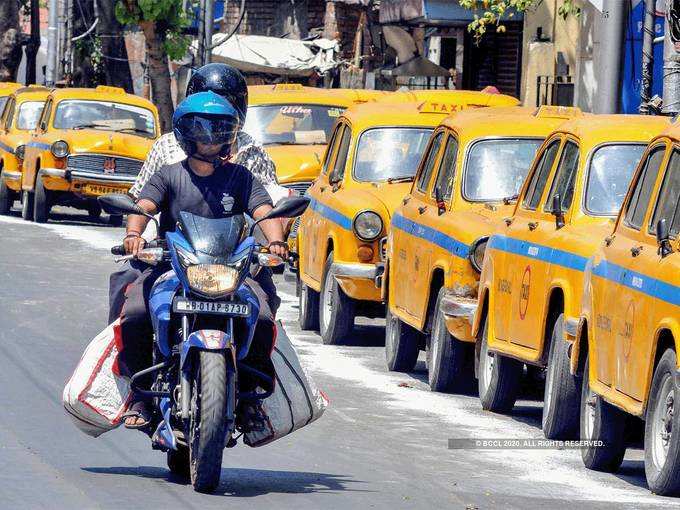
6	89
22	109
532	277
451	101
294	124
629	333
471	173
88	142
371	159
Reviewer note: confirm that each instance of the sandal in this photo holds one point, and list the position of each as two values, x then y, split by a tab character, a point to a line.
137	410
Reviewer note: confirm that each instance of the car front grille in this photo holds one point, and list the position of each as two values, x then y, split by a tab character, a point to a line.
300	187
98	163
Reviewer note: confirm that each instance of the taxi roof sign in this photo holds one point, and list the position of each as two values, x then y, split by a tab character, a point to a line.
557	112
107	89
441	107
286	87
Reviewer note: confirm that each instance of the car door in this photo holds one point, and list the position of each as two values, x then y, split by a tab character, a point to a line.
615	307
513	270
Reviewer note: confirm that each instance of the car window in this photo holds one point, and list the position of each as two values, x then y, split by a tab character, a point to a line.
104	115
540	176
609	173
9	113
430	160
3	102
389	153
444	184
637	207
28	114
668	204
331	147
565	178
341	160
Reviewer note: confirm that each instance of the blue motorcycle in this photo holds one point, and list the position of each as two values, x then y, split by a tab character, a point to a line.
204	319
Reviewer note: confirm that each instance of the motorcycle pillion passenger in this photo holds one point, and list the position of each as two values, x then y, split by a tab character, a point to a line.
205	184
229	83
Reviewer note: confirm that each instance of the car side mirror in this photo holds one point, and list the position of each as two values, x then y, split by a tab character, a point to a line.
663	238
556	211
119	203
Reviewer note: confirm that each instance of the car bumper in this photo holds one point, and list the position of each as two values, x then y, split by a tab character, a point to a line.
81	176
12	179
357	280
459	312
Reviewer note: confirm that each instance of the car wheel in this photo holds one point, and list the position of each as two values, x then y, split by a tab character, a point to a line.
308	309
6	197
402	344
336	310
562	397
41	201
499	377
94	211
27	205
604	424
449	364
662	430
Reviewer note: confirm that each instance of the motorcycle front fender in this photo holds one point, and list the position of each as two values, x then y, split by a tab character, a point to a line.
207	340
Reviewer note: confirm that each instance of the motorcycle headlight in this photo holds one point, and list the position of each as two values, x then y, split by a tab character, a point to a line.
59	149
476	255
20	151
367	226
212	279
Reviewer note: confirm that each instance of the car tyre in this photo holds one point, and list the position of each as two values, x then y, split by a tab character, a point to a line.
41	201
308	309
601	421
449	365
562	397
116	220
27	205
402	344
662	430
336	309
6	197
498	376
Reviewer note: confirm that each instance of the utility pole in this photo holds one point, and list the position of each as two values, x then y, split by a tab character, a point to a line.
52	39
671	63
200	51
33	43
209	20
647	57
612	24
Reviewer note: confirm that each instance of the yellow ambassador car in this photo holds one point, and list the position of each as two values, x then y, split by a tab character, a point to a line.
19	117
294	124
88	142
471	173
629	333
6	89
371	159
532	278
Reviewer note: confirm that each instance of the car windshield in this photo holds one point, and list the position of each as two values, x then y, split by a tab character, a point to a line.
104	115
496	168
3	102
609	174
291	124
29	114
389	153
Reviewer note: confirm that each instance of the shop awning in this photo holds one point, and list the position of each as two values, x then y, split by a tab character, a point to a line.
429	12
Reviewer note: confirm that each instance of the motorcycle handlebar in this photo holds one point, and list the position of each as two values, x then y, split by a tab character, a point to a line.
118	250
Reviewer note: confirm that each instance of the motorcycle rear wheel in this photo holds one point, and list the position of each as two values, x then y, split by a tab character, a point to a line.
213	387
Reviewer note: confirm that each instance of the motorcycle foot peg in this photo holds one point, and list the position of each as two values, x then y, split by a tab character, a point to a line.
231	443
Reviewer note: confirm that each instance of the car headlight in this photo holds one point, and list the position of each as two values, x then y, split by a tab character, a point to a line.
212	279
476	254
367	225
20	151
59	149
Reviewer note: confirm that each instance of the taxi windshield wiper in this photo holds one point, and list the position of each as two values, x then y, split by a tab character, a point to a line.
134	130
403	178
91	125
510	199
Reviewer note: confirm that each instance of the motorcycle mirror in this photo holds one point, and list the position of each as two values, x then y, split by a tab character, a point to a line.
117	203
288	207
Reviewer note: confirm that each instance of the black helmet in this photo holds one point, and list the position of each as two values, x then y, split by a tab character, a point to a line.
224	80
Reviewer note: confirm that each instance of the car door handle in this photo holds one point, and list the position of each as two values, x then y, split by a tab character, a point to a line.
322	189
406	200
422	209
635	251
533	225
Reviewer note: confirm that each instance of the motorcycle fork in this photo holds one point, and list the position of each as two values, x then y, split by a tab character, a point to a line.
184	384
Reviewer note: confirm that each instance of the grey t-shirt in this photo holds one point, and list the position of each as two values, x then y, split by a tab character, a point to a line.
231	189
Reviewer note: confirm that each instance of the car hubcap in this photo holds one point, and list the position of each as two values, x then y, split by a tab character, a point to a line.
488	361
548	389
663	423
391	344
434	346
589	415
327	301
303	299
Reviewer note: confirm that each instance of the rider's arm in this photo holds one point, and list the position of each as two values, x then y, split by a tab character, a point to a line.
273	231
136	224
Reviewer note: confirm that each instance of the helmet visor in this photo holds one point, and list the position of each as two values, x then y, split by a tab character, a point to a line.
208	130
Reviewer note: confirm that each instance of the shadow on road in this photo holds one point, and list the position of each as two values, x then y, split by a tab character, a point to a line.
633	472
247	483
70	216
366	336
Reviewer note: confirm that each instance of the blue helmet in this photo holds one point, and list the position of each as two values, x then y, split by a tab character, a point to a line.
206	118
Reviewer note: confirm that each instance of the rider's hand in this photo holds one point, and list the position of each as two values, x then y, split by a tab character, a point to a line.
133	243
279	248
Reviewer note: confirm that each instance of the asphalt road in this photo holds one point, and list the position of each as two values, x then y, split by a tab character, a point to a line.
381	444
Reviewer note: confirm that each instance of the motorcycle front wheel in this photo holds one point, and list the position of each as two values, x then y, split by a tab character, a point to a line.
213	393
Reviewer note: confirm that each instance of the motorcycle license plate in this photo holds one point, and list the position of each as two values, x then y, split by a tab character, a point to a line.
97	189
232	308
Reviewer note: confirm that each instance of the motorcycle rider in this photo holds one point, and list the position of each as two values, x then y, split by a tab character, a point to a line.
207	184
229	83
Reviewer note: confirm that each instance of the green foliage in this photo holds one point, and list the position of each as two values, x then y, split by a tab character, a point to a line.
491	12
167	15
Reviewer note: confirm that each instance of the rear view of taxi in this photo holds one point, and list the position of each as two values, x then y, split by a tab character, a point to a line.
371	159
629	334
20	115
294	124
532	278
470	175
88	142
